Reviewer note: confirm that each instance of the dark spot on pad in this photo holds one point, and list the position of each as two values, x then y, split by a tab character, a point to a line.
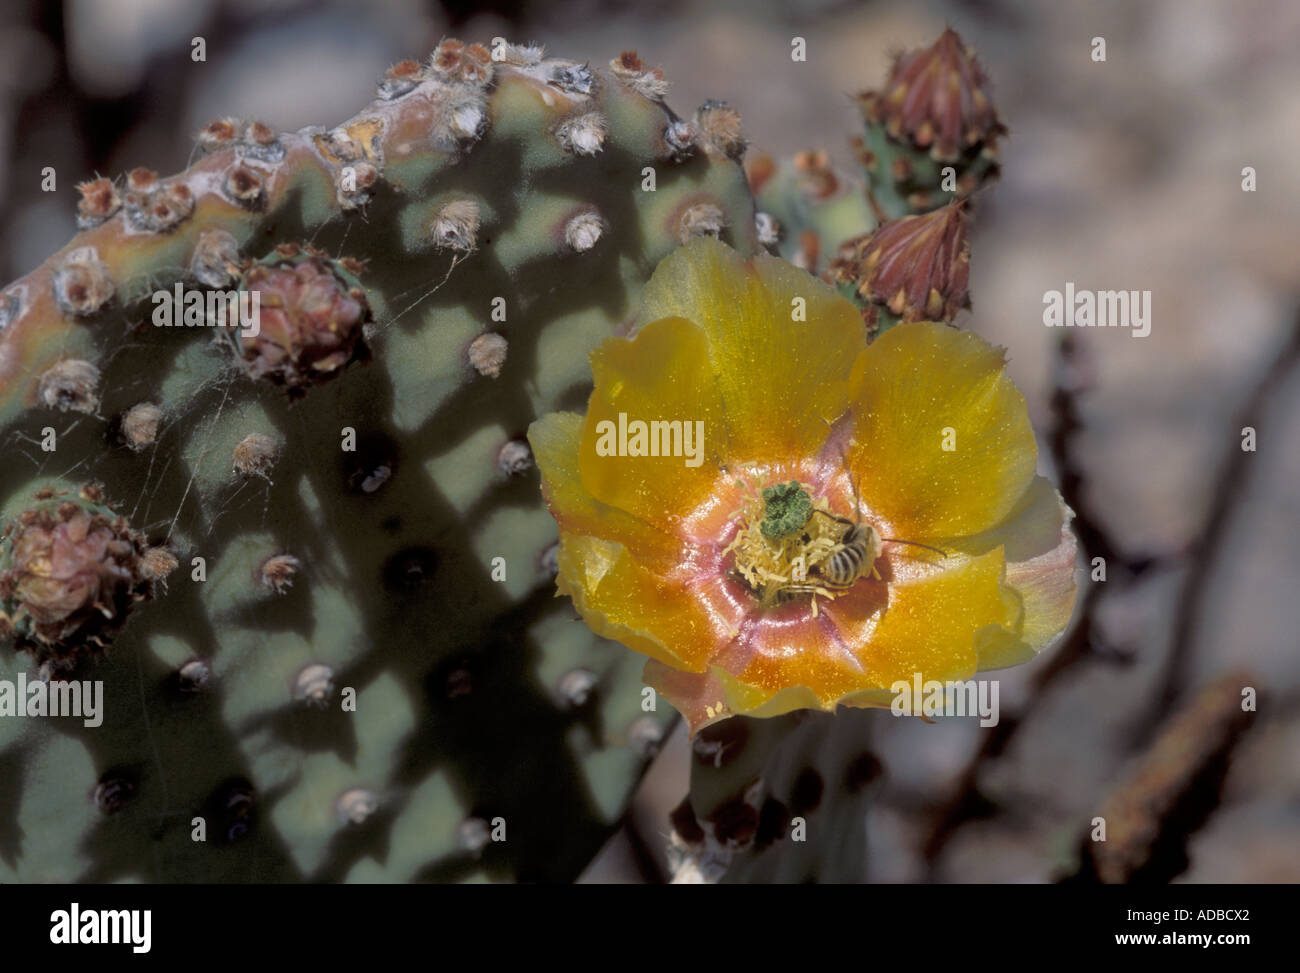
806	795
735	822
861	771
410	569
684	822
773	819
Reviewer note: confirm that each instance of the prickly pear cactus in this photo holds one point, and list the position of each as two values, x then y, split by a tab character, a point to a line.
311	568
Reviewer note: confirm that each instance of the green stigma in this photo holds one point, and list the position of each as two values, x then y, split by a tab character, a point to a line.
786	508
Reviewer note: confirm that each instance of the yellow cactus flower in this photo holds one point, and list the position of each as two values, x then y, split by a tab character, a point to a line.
781	516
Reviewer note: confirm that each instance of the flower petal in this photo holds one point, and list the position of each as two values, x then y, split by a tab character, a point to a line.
917	385
680	623
787	646
930	625
852	653
661	376
1040	551
705	698
555	440
781	343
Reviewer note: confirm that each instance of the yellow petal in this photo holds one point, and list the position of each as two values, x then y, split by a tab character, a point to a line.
919	388
929	626
661	376
555	440
1040	551
704	698
752	701
680	623
782	379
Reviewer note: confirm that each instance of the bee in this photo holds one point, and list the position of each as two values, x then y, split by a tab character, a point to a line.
853	557
824	560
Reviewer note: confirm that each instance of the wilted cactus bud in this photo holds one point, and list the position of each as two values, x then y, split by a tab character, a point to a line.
70	569
913	269
312	313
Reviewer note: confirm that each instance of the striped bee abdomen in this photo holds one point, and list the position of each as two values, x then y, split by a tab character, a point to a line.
846	563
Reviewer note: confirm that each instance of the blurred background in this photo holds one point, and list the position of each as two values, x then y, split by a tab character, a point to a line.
1125	174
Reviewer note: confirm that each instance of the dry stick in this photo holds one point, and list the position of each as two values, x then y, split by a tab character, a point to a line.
1169	794
1174	788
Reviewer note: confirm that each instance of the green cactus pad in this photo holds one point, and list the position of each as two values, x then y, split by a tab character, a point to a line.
358	669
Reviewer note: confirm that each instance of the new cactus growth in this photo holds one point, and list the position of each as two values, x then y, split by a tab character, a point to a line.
806	208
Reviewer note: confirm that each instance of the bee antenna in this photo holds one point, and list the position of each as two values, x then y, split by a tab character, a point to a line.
899	540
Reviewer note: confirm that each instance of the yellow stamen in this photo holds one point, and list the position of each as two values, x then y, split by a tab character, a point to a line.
770	566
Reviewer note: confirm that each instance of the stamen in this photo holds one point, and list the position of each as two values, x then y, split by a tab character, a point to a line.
780	543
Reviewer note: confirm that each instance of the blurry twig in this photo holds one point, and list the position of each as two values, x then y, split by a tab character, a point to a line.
1171	791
